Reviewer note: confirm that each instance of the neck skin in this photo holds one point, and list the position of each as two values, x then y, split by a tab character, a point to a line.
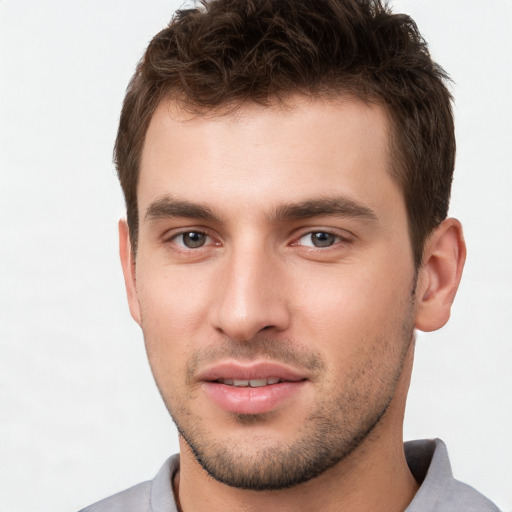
375	476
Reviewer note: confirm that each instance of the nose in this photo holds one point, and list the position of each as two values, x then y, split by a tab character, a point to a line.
251	295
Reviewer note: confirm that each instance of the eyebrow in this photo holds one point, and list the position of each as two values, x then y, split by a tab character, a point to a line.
167	207
340	206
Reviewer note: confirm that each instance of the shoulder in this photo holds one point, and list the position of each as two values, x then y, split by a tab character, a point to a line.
134	499
461	496
439	491
152	496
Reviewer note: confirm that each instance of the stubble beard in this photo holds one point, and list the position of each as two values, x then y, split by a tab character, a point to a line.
333	430
278	467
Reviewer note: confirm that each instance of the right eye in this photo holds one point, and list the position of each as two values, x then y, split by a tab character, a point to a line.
191	239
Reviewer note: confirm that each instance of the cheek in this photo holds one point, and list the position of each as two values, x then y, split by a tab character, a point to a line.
170	297
173	308
353	305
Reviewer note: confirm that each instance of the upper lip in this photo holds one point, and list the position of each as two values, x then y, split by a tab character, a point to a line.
249	371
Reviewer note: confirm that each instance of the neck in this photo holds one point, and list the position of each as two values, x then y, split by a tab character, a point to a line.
360	484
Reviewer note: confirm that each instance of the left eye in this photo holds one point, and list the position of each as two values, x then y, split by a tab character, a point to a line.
318	239
191	239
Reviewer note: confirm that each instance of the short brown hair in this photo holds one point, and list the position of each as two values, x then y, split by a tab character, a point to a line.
227	52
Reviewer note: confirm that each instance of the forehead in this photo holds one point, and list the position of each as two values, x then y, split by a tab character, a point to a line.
261	155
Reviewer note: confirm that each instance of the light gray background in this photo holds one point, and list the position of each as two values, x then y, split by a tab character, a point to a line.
80	417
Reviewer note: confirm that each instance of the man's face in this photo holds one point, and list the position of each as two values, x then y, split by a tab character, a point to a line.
274	283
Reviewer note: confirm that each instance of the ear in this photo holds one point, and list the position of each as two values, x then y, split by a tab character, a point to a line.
128	264
439	276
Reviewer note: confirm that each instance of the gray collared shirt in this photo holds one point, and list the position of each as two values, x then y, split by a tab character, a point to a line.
427	460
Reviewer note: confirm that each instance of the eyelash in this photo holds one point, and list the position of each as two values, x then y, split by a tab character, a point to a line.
338	238
172	238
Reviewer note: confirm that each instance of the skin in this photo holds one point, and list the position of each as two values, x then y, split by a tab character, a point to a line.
256	289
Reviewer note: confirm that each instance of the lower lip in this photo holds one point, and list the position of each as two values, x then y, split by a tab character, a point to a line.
247	400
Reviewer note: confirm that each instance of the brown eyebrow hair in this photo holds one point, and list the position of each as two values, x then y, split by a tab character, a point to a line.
341	206
168	207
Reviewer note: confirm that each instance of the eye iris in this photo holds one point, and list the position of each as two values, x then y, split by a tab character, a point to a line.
193	239
322	239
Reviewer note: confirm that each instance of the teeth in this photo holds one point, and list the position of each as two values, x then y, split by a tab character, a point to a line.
257	383
253	383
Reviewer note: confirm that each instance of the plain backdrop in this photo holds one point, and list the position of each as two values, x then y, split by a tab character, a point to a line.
80	416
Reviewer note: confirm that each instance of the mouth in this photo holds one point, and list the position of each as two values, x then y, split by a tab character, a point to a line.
249	383
251	388
250	374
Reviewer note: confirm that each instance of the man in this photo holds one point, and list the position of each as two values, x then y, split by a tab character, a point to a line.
287	168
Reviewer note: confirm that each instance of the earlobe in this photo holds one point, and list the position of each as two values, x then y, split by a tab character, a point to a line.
439	276
128	264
